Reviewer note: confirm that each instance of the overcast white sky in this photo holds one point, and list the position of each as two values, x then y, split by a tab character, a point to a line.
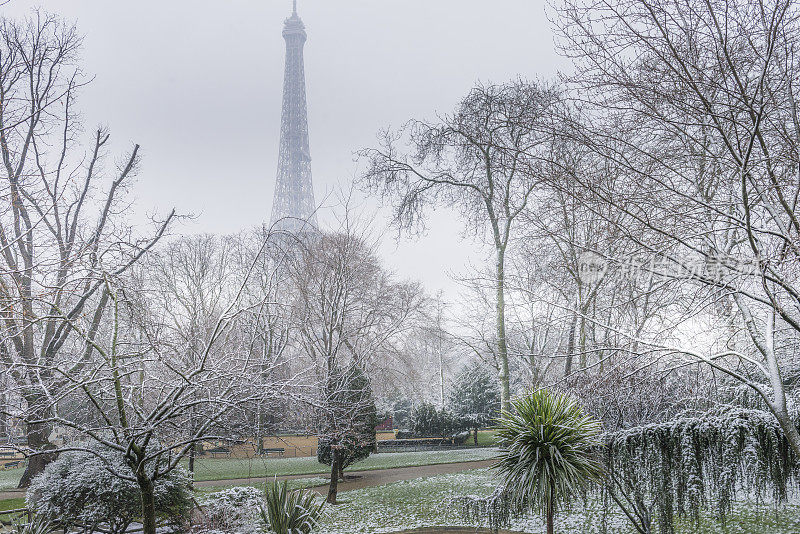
198	84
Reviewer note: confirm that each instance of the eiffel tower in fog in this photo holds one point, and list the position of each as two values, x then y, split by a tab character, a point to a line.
293	207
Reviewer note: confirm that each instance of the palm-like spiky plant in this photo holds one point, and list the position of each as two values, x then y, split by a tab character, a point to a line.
547	453
37	525
291	512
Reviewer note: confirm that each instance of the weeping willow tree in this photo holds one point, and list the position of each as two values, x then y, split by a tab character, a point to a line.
695	464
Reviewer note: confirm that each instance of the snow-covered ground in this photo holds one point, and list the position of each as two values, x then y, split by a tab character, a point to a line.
425	502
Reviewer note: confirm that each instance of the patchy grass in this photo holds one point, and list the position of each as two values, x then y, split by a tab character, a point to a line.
229	468
486	438
12	504
9	478
425	502
403	505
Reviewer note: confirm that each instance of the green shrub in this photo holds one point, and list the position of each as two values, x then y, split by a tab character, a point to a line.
428	422
82	488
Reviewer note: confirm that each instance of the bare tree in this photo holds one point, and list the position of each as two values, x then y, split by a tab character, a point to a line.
57	234
484	160
149	390
695	101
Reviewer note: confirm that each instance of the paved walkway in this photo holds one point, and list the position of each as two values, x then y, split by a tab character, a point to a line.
12	494
366	479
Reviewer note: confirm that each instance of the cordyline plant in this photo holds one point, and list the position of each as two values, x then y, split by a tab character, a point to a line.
547	452
291	512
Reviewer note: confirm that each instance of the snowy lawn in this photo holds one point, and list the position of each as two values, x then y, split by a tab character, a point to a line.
226	468
9	478
423	502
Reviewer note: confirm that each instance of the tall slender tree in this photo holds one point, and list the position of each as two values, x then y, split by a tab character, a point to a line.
484	161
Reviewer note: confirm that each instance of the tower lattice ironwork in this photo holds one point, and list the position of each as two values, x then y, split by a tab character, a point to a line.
293	207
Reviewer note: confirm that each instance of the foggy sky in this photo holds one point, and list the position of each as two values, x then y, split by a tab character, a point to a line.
198	84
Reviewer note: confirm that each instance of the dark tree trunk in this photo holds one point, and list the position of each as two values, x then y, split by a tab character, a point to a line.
582	337
570	345
3	417
192	454
334	485
476	436
37	440
148	504
550	516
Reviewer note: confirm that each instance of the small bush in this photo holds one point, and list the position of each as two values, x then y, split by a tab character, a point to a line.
232	509
79	488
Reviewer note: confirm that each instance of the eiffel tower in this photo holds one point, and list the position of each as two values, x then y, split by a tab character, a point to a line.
293	207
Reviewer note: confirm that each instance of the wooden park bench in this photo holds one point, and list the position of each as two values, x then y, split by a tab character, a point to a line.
11	465
219	450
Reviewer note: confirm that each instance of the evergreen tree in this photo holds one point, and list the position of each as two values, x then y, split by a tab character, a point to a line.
475	398
401	413
352	421
428	422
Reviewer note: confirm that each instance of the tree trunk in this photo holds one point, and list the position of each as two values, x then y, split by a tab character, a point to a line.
3	417
502	346
148	504
789	429
778	405
37	440
441	379
550	516
192	454
582	337
571	345
332	488
476	436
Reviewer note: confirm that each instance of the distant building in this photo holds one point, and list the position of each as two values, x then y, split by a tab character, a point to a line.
386	425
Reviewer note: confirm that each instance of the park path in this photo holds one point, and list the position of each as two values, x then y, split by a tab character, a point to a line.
365	479
12	494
